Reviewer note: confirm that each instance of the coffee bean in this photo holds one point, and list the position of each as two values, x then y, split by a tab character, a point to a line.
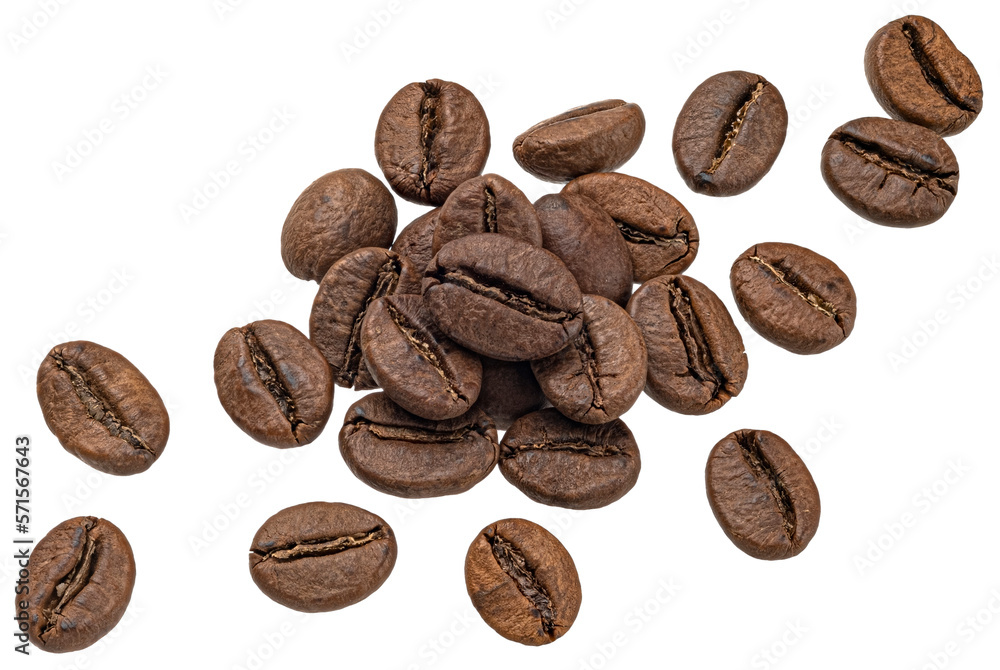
602	372
415	242
794	297
509	391
556	461
586	239
918	75
79	578
274	384
598	137
729	133
339	212
502	297
415	363
696	361
659	232
320	556
338	312
487	204
431	137
404	455
762	494
101	408
891	172
523	582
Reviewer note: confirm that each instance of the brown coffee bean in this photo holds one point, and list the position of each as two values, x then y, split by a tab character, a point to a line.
602	372
523	582
586	239
696	361
415	242
403	455
338	312
502	297
274	384
431	137
487	204
320	556
101	408
659	232
794	297
339	212
598	137
416	364
891	172
509	391
79	578
729	133
762	494
556	461
918	75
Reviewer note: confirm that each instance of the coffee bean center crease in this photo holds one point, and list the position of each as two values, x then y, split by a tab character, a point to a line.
429	350
736	125
763	471
428	133
587	448
512	561
931	74
788	278
385	283
922	178
700	362
490	211
269	377
321	547
636	236
508	297
415	435
74	582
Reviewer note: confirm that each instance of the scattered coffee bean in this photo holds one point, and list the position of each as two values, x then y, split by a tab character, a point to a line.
101	408
274	384
729	133
320	556
523	582
415	242
487	204
762	494
509	391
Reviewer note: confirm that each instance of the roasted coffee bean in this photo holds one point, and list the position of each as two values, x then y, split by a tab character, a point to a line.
80	578
415	242
101	408
487	204
891	172
339	212
696	361
729	133
598	137
403	455
602	372
762	494
586	239
509	391
523	582
659	232
556	461
794	297
338	312
274	384
431	137
320	556
502	297
918	75
416	365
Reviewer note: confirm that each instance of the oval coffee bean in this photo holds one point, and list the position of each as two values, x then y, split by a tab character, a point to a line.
556	461
274	384
523	582
320	556
729	133
431	137
403	455
602	372
891	172
762	494
659	232
338	311
794	297
509	391
487	204
415	363
598	137
503	298
101	408
586	239
80	578
696	361
415	242
339	212
918	75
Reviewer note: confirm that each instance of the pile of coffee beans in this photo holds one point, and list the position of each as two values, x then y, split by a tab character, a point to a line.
492	313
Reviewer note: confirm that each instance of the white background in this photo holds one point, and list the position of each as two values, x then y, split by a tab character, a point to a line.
103	252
